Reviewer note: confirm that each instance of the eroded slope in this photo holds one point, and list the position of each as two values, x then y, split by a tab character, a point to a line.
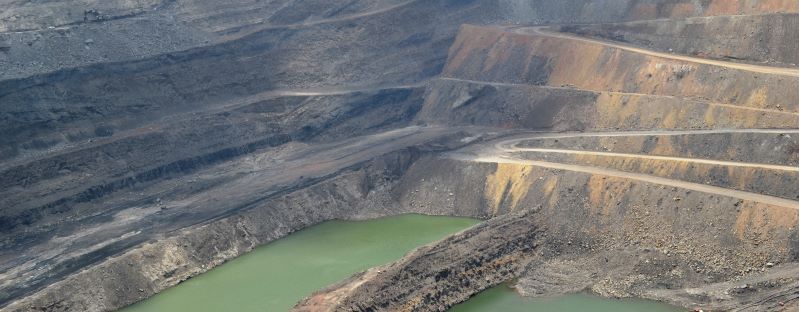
120	161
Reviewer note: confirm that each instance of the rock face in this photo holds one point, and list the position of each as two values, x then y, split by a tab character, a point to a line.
528	56
616	212
355	193
145	142
562	108
435	277
756	39
608	234
577	11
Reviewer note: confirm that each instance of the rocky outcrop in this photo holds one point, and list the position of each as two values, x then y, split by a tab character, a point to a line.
434	277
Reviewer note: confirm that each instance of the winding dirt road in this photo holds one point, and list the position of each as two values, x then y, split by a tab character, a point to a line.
506	151
521	85
664	158
749	196
541	31
510	145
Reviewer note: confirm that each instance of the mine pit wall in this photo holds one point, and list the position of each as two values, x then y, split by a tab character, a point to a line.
764	148
37	16
470	103
456	102
610	210
769	38
596	11
364	191
68	190
496	55
545	213
766	181
538	213
173	150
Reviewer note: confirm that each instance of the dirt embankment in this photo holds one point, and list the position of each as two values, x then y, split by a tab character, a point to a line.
497	54
454	101
757	39
768	147
776	181
598	11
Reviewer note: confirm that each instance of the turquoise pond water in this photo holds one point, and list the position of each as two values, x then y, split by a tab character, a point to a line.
503	298
274	277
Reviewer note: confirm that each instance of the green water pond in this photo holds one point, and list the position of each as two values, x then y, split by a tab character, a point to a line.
503	298
275	276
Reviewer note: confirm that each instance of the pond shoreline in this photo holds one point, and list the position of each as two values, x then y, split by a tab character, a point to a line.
277	275
504	298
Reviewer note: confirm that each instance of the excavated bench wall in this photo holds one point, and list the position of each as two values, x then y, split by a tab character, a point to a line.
772	38
133	160
499	55
539	212
596	11
90	189
775	182
361	192
764	148
615	204
742	159
542	213
457	102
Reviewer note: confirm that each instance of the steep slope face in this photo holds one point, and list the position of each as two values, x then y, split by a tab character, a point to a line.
335	56
174	149
680	202
359	191
320	46
90	32
759	39
532	56
609	222
37	15
29	15
771	147
599	11
95	194
99	145
455	101
134	131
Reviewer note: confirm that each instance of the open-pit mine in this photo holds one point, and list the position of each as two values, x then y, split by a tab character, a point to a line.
399	155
